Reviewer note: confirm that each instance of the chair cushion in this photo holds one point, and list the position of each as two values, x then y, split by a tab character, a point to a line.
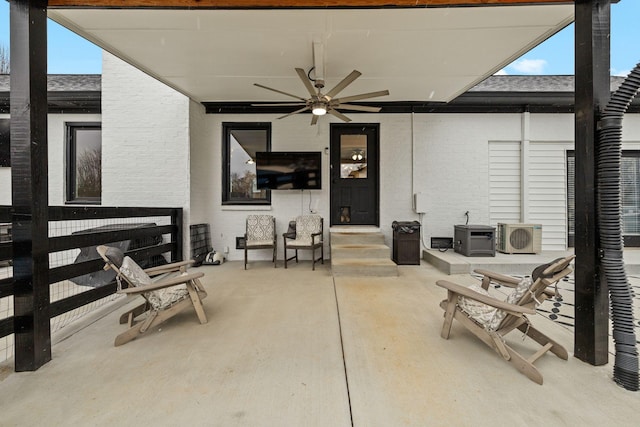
487	316
259	243
159	299
260	228
306	225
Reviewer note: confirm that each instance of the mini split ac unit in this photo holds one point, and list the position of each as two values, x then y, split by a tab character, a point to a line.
519	238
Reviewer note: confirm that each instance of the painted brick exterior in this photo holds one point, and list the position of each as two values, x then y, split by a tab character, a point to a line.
161	149
145	139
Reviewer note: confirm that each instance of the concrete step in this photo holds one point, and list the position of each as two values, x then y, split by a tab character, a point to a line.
364	267
347	238
360	251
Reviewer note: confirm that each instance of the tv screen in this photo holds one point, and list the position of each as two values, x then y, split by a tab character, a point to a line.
289	170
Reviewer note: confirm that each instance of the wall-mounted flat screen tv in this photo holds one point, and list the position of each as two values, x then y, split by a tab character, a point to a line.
289	170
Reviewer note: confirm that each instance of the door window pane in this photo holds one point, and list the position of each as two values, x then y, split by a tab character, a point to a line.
353	156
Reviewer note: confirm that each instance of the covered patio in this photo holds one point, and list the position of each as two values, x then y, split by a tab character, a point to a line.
286	347
290	348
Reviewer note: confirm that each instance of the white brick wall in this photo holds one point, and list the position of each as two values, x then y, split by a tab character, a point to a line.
293	133
201	147
451	167
161	149
145	139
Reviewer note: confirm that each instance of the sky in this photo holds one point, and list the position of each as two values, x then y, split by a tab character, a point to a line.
71	54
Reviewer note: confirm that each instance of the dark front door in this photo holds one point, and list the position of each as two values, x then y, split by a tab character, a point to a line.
354	174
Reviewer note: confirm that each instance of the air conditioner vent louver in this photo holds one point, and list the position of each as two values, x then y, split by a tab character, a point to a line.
519	238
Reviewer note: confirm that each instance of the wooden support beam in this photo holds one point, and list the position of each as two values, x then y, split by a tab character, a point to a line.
593	24
267	4
29	182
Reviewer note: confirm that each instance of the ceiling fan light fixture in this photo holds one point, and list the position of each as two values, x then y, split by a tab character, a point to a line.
320	104
319	109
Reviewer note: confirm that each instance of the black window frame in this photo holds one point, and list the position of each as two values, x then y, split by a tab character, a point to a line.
629	240
70	163
227	128
5	143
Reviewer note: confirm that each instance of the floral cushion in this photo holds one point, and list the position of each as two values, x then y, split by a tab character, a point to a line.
159	299
491	317
306	225
260	230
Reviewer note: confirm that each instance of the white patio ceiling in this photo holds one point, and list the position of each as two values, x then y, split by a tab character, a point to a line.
419	54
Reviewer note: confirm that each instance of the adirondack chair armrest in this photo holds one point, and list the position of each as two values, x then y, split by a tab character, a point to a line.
459	290
162	284
559	275
502	279
168	268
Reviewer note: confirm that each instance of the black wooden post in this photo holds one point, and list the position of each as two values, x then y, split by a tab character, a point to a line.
592	50
177	235
29	183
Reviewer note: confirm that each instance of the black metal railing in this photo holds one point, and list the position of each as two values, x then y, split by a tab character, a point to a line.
68	233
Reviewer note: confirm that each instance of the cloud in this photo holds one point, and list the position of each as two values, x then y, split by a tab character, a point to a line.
529	66
501	72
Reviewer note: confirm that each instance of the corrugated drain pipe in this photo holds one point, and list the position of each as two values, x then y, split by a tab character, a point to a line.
609	157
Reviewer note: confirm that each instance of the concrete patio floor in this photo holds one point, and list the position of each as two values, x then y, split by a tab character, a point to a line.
298	347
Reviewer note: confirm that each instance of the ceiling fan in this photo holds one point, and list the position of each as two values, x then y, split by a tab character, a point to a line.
322	103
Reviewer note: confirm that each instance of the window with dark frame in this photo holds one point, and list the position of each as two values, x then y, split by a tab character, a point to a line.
630	192
84	163
240	143
5	143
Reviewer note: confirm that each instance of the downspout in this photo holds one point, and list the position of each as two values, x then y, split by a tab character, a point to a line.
609	157
524	166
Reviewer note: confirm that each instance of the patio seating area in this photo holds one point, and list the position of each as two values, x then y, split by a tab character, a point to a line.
300	348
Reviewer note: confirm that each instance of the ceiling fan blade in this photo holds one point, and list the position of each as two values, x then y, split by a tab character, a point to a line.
344	83
295	112
314	119
280	104
279	91
361	96
358	108
338	115
306	81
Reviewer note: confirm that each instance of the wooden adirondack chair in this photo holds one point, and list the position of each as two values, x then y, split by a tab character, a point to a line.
163	298
490	319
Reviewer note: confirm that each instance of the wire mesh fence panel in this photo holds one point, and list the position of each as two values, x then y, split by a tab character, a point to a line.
78	284
6	343
86	282
6	306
